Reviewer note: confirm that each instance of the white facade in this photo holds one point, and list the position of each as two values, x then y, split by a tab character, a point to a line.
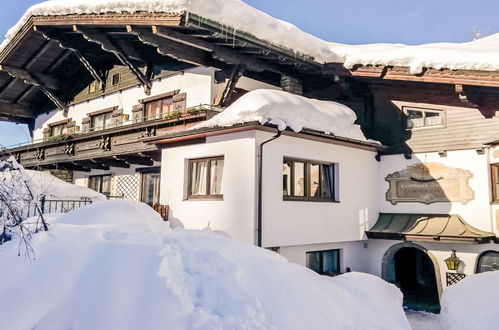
198	83
285	223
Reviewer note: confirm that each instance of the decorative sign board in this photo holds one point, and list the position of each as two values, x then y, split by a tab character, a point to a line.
429	183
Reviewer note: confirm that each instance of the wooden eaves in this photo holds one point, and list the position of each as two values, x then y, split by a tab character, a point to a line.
200	135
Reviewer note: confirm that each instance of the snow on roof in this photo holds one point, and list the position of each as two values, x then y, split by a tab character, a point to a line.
117	265
238	16
289	110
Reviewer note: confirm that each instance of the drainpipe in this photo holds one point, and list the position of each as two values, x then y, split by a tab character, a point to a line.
260	179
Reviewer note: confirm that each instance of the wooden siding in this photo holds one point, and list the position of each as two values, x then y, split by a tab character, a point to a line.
468	125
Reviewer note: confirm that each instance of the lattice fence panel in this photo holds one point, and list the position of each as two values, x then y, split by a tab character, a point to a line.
453	278
128	186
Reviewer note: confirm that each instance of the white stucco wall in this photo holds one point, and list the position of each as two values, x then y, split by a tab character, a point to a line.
299	223
476	212
235	214
195	82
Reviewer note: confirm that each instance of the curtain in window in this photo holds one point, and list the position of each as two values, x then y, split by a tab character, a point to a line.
328	180
433	119
198	178
216	169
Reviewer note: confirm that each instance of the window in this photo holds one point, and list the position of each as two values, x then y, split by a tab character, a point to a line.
92	87
488	261
324	262
101	121
150	188
57	130
100	183
418	118
495	182
159	108
115	80
205	178
309	180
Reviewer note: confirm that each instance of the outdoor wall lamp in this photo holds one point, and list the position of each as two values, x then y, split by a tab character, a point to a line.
453	261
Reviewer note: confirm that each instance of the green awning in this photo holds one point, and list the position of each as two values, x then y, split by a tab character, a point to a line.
427	227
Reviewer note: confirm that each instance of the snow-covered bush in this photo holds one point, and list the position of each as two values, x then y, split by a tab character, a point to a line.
117	265
15	195
472	303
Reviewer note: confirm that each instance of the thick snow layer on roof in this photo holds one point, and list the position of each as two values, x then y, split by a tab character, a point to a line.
289	110
236	15
42	183
117	265
471	303
480	54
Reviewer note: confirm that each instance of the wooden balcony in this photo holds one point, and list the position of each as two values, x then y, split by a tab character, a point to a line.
104	147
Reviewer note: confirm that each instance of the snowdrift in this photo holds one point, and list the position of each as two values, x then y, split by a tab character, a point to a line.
236	15
289	110
471	303
42	183
116	265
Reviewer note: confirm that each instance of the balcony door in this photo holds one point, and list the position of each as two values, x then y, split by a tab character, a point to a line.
150	188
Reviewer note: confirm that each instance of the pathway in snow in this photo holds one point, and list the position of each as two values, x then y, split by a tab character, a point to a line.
423	320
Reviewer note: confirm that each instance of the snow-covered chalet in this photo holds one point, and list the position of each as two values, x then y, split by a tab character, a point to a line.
379	159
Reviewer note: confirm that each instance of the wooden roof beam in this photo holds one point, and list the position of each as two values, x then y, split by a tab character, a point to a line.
66	44
220	53
44	82
170	48
107	45
91	164
137	160
15	110
113	162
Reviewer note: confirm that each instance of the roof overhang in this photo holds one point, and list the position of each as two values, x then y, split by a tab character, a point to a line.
444	228
50	50
200	135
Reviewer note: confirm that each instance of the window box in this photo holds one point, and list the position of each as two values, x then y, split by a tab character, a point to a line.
306	180
205	178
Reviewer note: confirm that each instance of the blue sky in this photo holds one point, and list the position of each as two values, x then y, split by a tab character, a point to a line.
346	21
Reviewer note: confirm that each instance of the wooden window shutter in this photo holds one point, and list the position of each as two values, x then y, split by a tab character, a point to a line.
179	102
138	113
46	133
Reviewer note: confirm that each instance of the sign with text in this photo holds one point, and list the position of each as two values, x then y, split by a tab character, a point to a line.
429	183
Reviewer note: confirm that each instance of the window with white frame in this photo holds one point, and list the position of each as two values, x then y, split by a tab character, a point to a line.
422	118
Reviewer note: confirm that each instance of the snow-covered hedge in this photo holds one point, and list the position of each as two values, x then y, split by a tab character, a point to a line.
472	303
117	265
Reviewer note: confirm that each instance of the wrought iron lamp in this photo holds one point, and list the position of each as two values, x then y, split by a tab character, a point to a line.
453	261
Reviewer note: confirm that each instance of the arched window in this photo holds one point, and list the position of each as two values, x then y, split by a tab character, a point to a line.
488	261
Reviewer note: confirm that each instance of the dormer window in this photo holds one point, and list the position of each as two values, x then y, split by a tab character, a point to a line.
423	118
92	87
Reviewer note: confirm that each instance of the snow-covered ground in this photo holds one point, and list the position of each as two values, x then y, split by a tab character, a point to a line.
235	15
289	110
424	320
472	303
117	265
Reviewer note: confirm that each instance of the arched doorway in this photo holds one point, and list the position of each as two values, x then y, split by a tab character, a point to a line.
410	268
